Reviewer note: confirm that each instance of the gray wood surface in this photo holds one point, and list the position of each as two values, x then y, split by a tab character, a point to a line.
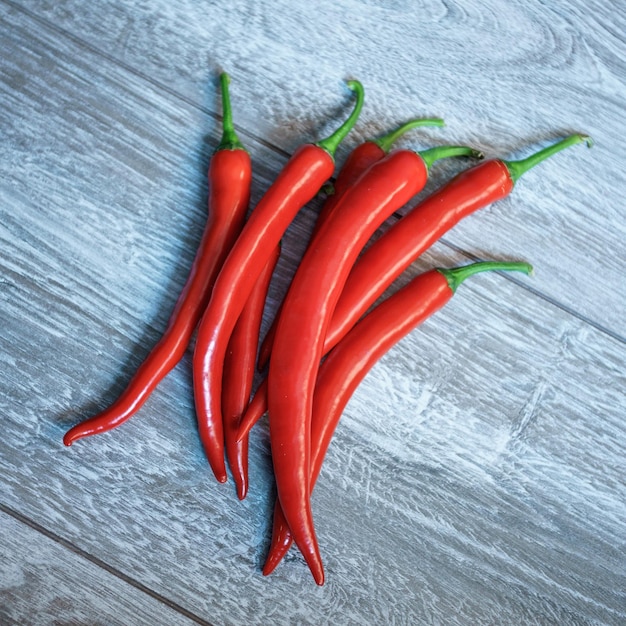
477	476
76	590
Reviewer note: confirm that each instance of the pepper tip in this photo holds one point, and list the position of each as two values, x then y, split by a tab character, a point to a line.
316	568
270	564
68	438
242	489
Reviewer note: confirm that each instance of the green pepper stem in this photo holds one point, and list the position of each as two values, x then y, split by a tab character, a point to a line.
229	141
386	141
518	168
457	275
442	152
331	143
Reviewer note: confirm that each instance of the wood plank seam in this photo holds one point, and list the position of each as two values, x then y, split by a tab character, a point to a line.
276	149
159	86
68	545
543	296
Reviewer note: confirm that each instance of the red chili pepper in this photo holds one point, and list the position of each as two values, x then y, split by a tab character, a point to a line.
230	175
408	238
297	183
361	158
257	407
239	367
383	261
353	357
314	290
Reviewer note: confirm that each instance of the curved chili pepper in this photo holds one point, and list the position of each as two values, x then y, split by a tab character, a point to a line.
298	182
382	189
353	357
239	367
383	261
364	155
230	175
414	233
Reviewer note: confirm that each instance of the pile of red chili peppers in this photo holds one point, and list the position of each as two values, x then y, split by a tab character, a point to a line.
326	335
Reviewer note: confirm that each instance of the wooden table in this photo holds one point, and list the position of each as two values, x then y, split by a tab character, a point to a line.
477	475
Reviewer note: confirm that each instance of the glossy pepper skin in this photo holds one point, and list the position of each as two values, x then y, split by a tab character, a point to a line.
239	368
386	258
359	160
469	191
382	189
413	234
354	356
297	183
230	175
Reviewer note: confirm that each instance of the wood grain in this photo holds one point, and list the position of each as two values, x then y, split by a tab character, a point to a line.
561	75
477	475
52	585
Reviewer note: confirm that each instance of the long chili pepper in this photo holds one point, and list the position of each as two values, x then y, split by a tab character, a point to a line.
414	233
297	349
230	175
298	182
353	357
239	367
383	261
364	155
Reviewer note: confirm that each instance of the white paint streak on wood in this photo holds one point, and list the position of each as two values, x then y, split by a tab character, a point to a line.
477	475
